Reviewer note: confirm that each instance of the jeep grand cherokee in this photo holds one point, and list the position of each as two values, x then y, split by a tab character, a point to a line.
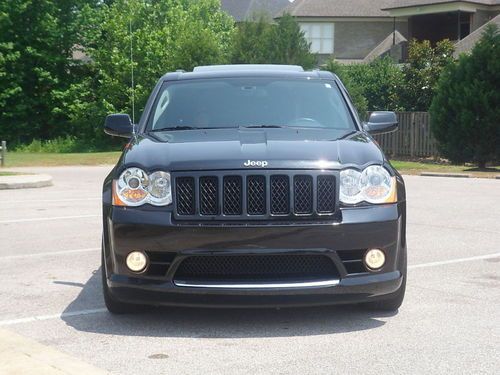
252	185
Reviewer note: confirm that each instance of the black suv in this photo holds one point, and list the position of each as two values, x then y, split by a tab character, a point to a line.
251	186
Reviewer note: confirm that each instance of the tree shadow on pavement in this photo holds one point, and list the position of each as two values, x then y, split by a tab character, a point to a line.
215	323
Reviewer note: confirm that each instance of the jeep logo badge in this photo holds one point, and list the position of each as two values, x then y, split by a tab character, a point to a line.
256	163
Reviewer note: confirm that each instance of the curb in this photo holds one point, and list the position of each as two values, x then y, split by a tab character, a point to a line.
438	174
26	181
21	355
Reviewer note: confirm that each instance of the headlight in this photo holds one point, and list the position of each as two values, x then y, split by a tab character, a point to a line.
373	185
135	187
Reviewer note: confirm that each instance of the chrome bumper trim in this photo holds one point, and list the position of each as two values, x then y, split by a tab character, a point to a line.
270	285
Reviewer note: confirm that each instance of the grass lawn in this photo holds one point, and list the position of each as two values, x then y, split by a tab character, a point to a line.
412	167
8	173
20	159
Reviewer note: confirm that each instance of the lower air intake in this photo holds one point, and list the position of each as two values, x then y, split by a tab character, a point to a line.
256	268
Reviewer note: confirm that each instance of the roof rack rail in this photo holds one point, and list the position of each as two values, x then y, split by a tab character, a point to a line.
246	67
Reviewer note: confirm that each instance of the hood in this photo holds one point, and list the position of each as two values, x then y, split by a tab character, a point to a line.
282	148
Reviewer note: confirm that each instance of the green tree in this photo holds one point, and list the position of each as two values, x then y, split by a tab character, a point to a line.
374	86
355	90
422	71
166	35
465	111
37	38
287	44
250	41
260	41
380	82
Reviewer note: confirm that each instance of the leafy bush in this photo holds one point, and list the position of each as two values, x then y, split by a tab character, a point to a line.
374	86
354	89
465	112
66	144
422	71
380	82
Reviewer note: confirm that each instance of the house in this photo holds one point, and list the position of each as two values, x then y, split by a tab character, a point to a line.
466	44
361	30
242	10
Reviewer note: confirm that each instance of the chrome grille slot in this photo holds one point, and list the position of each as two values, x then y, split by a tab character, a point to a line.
256	195
209	196
185	196
233	199
303	194
325	194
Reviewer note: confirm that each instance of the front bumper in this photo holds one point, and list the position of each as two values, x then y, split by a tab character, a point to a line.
128	229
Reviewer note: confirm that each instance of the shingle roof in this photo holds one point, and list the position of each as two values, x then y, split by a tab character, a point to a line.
467	43
339	8
411	3
244	9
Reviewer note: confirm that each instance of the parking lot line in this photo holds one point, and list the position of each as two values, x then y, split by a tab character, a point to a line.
37	318
51	200
46	219
451	261
49	253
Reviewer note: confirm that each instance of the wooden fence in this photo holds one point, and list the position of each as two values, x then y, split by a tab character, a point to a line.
412	139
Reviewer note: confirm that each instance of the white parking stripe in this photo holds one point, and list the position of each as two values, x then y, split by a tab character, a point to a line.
452	261
51	200
49	317
45	219
101	310
50	253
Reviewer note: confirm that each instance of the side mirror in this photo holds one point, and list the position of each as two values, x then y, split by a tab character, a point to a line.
119	125
381	122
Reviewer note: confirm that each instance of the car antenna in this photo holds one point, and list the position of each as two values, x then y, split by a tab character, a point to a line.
132	69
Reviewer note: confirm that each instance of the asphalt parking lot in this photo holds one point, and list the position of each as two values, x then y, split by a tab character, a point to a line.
449	323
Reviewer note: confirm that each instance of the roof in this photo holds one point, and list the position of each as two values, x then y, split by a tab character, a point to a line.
243	67
338	8
467	43
243	9
395	4
392	39
247	70
362	8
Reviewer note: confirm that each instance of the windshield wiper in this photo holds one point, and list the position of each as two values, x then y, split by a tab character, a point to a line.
180	127
187	127
264	126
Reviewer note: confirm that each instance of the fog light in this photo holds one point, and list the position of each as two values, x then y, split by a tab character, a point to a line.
137	261
374	259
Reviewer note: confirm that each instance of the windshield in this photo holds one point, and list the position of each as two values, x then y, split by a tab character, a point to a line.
249	102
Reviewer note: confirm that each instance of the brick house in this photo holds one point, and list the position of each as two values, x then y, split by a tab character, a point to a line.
361	30
242	10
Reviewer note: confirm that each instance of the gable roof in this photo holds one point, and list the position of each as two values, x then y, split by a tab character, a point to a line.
244	9
413	3
338	8
467	43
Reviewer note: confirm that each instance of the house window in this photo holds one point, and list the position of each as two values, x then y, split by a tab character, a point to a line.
320	35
